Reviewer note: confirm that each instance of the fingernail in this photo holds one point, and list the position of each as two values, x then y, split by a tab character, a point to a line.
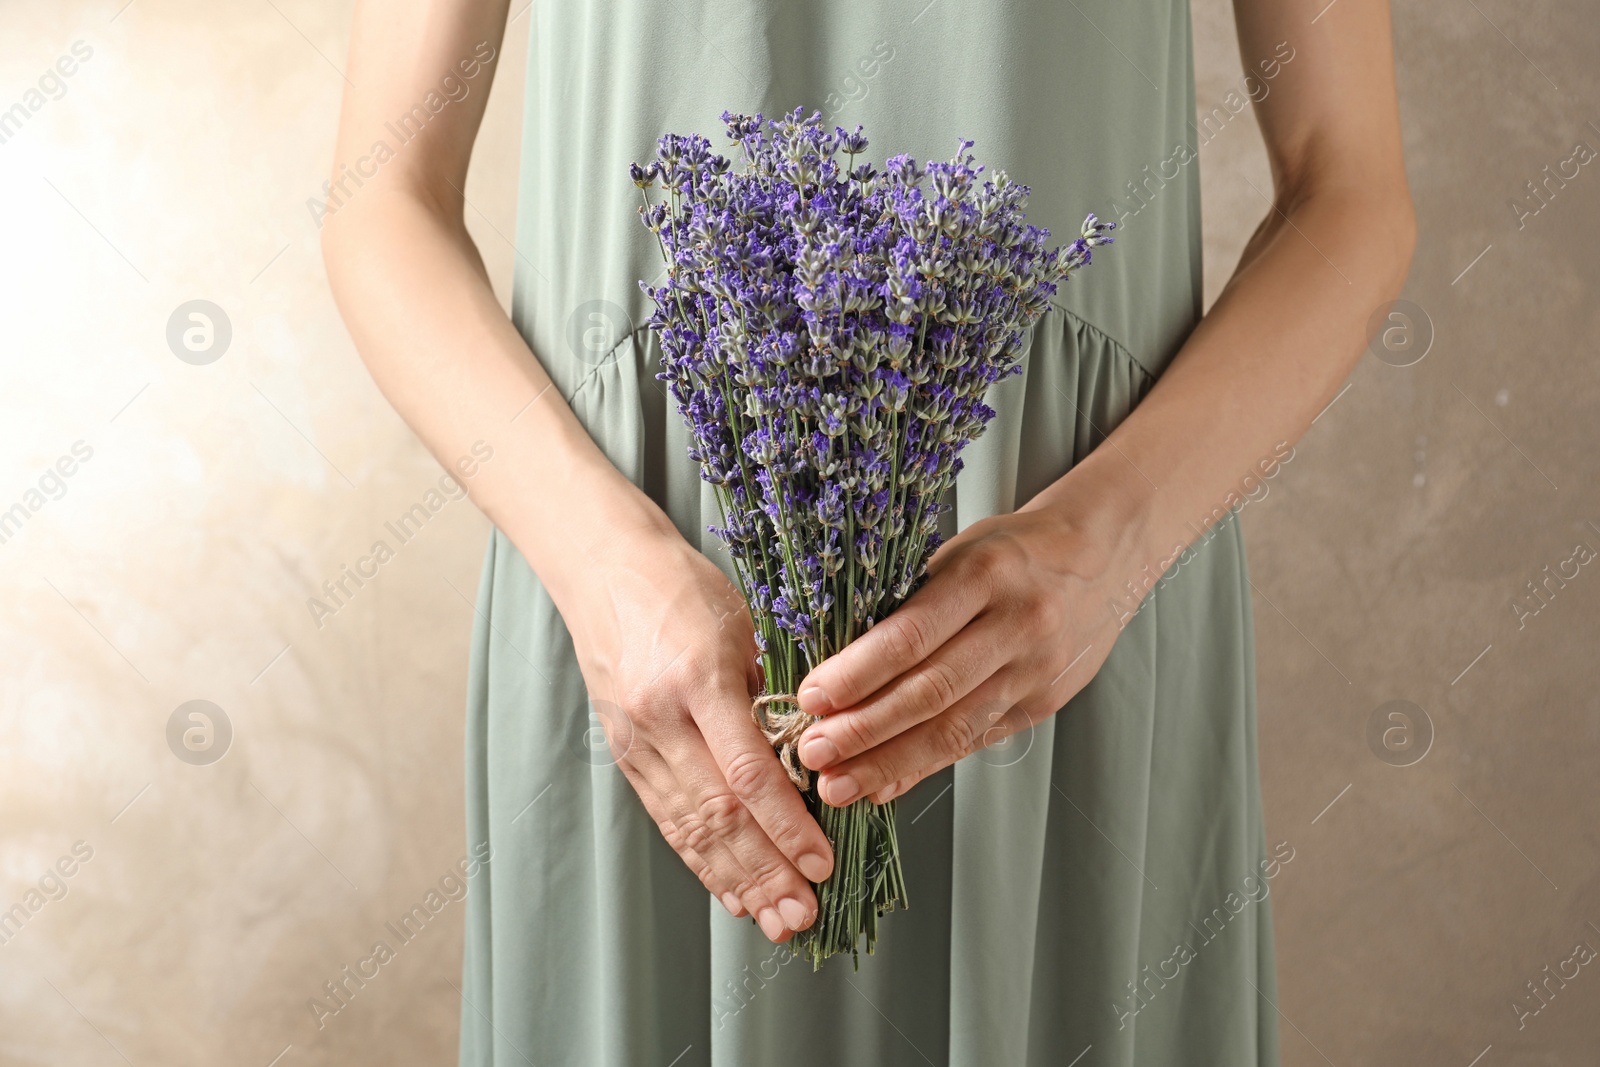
889	793
814	866
818	752
771	924
794	913
731	902
840	790
813	701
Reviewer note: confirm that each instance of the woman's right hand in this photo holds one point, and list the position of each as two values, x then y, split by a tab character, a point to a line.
667	650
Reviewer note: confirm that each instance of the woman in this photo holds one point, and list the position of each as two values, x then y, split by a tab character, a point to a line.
1091	882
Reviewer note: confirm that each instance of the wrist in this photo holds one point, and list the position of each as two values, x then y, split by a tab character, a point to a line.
605	523
1106	510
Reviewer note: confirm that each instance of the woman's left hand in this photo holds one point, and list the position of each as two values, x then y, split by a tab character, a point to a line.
1018	613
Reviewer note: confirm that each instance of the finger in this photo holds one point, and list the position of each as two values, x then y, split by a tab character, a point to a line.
714	817
982	718
653	777
898	789
671	757
738	888
733	885
722	884
910	634
757	777
953	671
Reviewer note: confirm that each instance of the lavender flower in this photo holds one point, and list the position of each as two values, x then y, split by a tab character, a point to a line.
828	332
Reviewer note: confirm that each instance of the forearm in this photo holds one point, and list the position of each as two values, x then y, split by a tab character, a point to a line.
1286	330
426	322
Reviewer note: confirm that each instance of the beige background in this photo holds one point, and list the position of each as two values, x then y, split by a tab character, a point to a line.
177	165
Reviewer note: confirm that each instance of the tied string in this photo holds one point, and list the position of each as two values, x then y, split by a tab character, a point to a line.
782	729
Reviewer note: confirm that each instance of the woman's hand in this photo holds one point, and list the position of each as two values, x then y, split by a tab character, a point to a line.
666	645
1018	613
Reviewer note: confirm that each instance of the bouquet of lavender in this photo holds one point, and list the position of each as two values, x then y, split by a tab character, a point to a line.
828	332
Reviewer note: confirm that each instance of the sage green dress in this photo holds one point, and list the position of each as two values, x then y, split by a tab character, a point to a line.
1093	893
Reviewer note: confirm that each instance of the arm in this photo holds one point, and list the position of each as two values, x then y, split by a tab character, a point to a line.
1013	599
659	632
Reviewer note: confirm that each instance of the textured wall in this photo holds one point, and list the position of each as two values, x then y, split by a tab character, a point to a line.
180	511
177	565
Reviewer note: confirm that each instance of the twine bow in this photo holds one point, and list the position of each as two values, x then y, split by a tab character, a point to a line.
782	729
